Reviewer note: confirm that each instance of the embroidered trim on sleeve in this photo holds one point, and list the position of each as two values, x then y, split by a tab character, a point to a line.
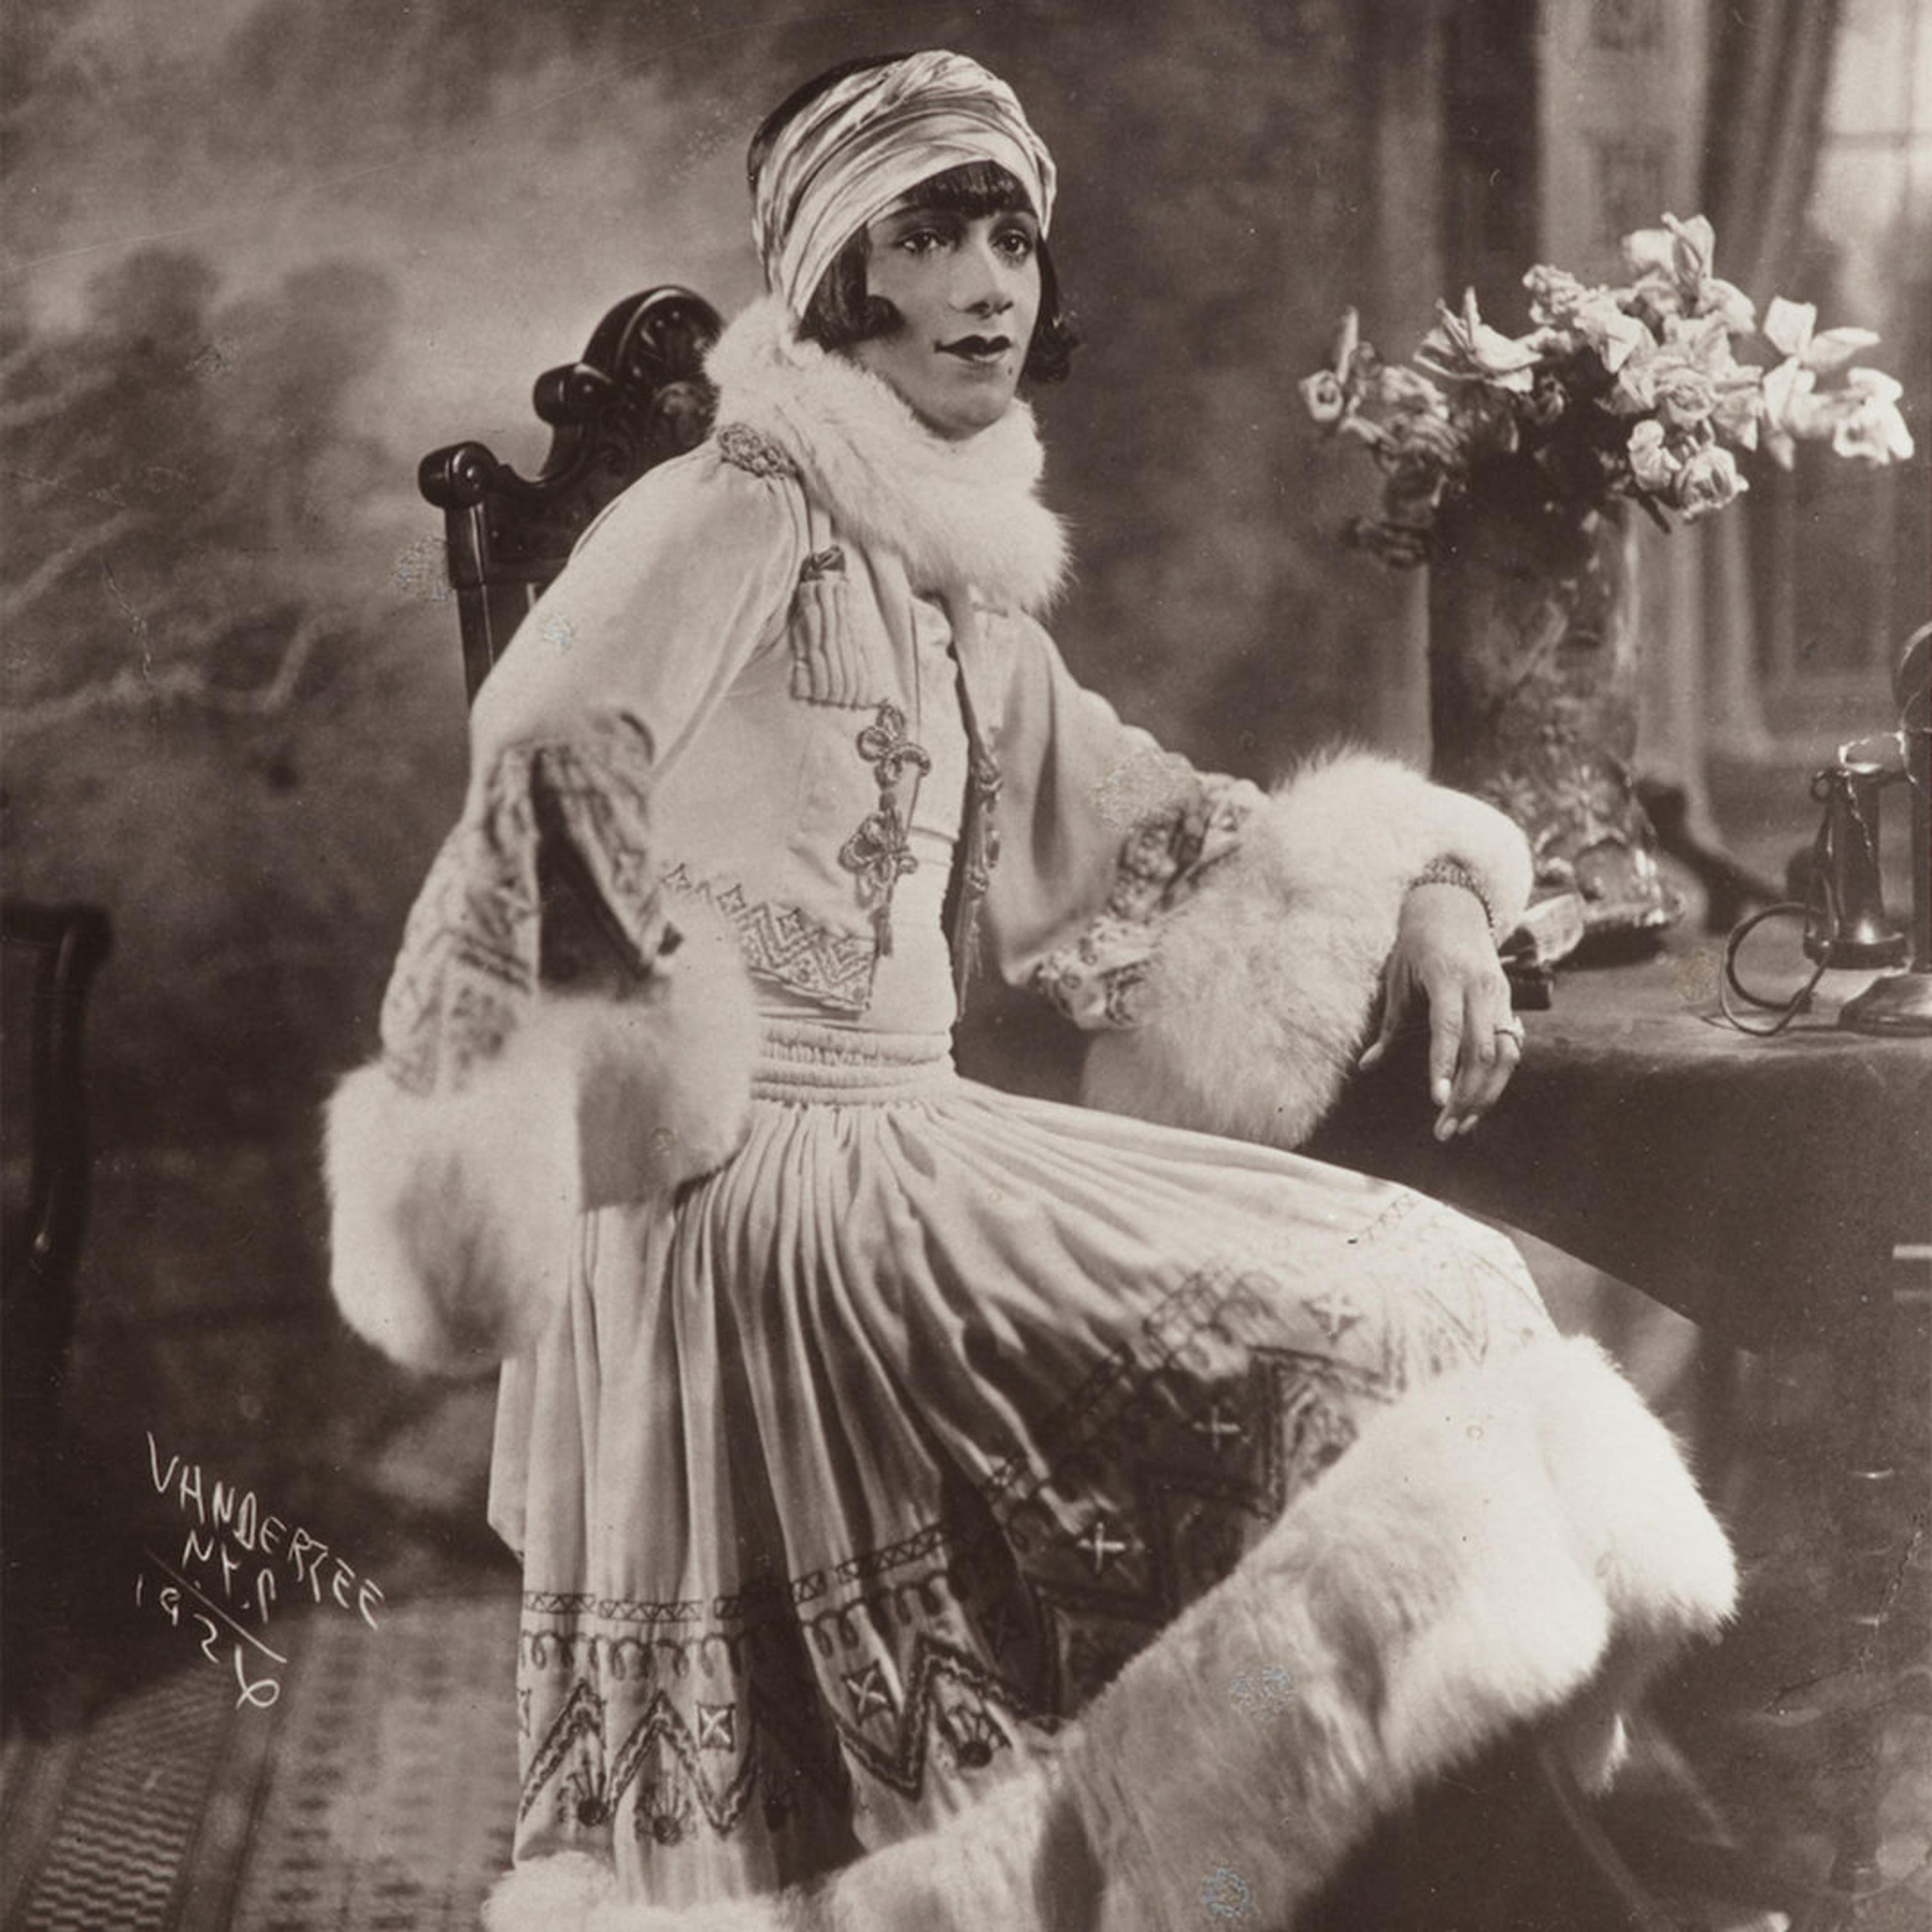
471	954
1095	980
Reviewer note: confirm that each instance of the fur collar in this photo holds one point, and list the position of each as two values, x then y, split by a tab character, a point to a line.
957	513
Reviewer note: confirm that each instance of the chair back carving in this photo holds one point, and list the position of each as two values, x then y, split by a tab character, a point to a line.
636	396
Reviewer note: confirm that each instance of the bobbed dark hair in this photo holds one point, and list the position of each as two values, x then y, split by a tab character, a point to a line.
842	313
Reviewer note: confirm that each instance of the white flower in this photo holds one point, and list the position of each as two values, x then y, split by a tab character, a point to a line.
1672	266
1652	462
1728	304
1709	480
1331	393
1653	251
1788	327
1555	294
1862	418
1464	348
1871	430
1668	264
1614	334
1686	397
1328	401
1692	370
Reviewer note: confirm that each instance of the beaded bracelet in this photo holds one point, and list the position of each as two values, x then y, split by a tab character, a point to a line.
1446	871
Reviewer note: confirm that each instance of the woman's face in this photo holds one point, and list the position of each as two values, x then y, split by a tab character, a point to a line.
966	288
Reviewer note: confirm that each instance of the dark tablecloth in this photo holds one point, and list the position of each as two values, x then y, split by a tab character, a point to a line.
1758	1185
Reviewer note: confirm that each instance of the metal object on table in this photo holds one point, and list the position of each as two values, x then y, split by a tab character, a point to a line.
1901	1003
1846	924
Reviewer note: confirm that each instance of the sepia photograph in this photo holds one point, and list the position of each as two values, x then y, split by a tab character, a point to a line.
966	965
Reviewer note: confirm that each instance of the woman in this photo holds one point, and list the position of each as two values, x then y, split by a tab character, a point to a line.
870	1420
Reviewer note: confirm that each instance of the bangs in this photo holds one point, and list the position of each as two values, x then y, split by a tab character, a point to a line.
843	314
974	189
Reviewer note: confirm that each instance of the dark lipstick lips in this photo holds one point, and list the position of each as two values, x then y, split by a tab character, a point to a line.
976	346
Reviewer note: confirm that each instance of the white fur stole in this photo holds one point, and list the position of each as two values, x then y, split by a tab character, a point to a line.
957	513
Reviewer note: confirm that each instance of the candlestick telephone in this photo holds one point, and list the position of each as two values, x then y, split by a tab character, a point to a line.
1846	924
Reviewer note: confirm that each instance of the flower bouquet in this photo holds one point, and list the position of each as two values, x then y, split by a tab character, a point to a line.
1634	393
1510	464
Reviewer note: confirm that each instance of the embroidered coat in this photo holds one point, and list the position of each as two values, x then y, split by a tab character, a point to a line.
714	699
858	1423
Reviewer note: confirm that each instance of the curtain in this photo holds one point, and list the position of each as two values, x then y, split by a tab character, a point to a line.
1770	64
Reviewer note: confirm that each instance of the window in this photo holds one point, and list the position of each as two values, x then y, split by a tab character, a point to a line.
1842	554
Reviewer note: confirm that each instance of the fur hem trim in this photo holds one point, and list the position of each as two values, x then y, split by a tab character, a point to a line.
1259	994
561	1893
992	1866
1482	1559
454	1218
957	513
1667	1570
1472	1566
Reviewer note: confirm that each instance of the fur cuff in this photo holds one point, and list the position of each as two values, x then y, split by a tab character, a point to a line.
1259	994
1486	1552
455	1217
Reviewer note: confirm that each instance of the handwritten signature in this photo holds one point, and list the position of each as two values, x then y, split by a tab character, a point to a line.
227	1579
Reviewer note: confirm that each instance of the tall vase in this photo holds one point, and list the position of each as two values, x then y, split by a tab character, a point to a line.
1533	641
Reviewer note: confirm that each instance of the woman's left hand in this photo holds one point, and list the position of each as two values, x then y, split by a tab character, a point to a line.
1443	950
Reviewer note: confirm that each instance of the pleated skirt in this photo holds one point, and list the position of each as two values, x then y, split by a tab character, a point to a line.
849	1476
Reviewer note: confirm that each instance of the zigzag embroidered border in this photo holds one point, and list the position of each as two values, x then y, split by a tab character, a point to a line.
782	943
1147	1482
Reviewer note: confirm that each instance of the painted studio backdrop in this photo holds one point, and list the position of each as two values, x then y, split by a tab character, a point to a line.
263	256
260	255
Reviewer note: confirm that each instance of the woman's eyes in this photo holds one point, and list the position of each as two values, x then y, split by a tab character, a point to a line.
1015	244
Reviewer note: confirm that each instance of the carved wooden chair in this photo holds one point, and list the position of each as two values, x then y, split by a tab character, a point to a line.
51	955
636	396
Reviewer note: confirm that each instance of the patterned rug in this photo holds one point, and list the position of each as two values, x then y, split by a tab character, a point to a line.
375	1794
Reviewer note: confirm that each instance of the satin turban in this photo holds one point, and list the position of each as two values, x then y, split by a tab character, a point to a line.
845	158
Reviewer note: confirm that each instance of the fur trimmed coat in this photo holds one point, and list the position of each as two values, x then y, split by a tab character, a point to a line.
1224	946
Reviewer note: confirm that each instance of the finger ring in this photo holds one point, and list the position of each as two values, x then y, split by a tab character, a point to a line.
1514	1027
